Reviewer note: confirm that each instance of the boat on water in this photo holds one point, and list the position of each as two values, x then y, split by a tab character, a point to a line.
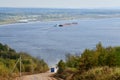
66	24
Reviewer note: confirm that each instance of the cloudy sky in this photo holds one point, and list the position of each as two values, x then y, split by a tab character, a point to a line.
61	3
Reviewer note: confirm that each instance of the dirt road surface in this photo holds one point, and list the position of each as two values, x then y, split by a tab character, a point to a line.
41	76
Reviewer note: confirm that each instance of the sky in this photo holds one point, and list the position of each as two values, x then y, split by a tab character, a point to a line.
61	3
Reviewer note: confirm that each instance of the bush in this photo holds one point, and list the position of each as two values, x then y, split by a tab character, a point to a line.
9	57
86	63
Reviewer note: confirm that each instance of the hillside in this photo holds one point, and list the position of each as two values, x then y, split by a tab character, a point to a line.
9	58
102	63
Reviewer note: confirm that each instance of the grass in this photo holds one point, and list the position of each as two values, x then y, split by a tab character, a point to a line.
99	73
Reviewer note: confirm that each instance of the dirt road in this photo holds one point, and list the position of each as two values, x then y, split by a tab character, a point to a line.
41	76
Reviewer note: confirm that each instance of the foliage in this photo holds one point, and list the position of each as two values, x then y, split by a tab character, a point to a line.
99	73
61	66
90	60
9	57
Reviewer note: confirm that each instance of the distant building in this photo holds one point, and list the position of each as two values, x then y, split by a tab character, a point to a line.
53	69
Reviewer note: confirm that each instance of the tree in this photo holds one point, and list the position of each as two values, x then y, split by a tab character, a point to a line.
61	66
72	61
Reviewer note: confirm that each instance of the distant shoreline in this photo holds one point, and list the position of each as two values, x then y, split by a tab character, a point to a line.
26	15
12	23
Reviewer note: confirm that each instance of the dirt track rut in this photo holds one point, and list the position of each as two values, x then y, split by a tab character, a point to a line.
41	76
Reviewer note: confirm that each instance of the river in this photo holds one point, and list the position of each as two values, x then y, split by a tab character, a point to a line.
44	40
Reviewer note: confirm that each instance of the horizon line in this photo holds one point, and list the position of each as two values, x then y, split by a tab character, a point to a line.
57	8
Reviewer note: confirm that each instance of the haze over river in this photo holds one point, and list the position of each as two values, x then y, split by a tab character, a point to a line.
44	40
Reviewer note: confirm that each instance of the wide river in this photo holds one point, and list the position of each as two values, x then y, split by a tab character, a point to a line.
44	40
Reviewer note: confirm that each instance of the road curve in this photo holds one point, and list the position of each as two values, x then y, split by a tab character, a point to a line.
41	76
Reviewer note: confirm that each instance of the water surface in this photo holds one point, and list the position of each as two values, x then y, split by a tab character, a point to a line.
43	39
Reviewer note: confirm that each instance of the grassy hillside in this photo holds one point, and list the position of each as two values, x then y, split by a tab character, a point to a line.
8	59
102	63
